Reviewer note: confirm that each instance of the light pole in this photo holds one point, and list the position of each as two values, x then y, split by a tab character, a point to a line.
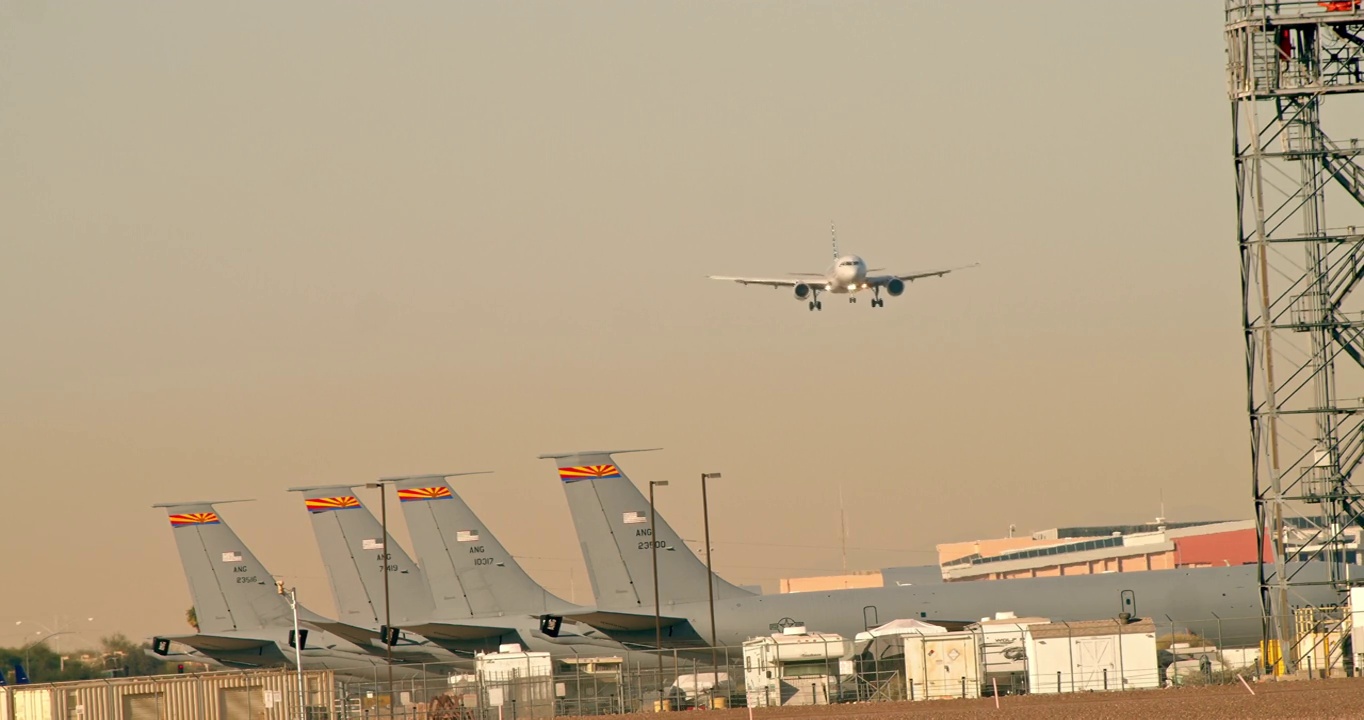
383	559
653	551
29	646
292	594
710	575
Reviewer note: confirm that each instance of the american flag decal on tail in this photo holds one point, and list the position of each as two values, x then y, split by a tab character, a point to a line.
588	472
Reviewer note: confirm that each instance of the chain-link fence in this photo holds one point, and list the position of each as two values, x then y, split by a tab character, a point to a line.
891	663
1001	657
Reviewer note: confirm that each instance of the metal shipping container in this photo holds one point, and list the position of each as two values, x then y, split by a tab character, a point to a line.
945	665
265	695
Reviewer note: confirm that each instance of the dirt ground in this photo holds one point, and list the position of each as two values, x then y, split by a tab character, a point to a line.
1308	700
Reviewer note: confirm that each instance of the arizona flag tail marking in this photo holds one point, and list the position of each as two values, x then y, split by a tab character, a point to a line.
588	472
426	493
345	502
199	518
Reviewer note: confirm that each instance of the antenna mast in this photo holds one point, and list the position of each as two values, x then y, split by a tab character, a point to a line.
842	530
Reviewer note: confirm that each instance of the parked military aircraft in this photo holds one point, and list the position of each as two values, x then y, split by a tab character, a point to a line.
244	620
611	518
468	595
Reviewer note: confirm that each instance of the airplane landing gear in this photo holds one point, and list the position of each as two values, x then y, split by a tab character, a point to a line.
815	304
876	300
852	299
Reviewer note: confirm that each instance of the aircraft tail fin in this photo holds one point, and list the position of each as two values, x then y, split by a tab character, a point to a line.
833	236
611	517
356	552
232	591
466	565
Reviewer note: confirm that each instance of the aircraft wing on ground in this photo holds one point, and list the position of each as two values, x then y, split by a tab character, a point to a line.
772	282
881	280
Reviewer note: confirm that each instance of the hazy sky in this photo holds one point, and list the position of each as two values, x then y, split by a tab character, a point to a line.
250	246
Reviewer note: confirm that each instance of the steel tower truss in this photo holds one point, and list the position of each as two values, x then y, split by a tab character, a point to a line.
1304	329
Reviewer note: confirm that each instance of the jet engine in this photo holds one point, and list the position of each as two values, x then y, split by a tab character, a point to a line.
803	291
894	287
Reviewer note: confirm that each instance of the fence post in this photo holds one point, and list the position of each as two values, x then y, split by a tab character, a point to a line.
1122	669
1070	652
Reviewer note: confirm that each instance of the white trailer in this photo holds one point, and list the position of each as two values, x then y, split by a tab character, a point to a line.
522	681
794	667
1003	656
1093	655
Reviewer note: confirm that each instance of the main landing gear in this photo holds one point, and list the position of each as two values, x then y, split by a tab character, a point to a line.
815	304
877	300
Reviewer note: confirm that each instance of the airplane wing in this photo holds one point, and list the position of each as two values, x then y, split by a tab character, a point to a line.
881	280
774	282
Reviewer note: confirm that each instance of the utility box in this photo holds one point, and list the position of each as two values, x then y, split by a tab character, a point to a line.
794	667
942	665
521	682
1093	655
1003	655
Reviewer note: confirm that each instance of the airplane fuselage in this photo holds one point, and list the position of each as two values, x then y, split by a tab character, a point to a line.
1221	604
848	275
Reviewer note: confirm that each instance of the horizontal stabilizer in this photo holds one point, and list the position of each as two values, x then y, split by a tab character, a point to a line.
210	644
199	502
350	633
459	632
434	476
621	621
592	453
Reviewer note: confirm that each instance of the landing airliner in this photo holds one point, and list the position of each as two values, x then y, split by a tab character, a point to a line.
847	276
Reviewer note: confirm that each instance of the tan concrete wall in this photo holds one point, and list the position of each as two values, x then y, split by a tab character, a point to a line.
870	579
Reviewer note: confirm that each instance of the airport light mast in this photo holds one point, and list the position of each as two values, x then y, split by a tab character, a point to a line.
1303	327
387	630
710	577
653	553
292	594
